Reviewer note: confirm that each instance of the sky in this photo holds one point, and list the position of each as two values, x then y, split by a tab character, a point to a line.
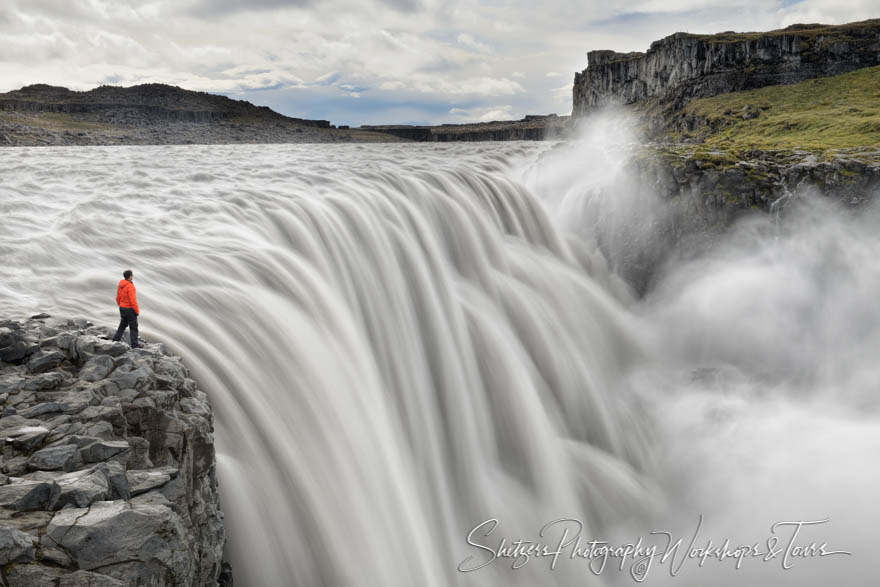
365	61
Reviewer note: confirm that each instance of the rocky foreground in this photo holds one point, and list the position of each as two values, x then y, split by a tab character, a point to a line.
107	475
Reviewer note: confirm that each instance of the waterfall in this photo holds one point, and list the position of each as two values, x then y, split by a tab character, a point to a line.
403	343
396	352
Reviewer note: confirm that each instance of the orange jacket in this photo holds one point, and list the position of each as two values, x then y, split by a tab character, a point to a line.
125	296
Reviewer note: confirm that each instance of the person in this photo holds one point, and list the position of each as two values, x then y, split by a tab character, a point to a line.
126	299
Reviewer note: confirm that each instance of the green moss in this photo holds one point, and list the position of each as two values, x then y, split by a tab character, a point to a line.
730	197
821	114
716	159
849	176
756	174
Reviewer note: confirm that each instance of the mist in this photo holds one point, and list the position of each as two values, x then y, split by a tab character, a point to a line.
761	379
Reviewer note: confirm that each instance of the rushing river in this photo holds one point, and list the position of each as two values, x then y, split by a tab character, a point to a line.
402	342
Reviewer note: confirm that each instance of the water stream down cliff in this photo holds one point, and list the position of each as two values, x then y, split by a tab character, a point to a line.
402	344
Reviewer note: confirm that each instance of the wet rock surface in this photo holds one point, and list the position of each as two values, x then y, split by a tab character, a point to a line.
107	470
718	186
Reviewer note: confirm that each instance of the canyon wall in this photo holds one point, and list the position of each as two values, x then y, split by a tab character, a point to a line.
685	65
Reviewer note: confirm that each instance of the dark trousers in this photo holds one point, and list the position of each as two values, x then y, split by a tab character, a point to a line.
127	319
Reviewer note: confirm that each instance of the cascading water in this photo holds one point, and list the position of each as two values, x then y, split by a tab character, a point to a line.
402	342
395	352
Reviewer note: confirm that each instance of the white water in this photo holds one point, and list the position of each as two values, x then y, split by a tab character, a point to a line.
401	342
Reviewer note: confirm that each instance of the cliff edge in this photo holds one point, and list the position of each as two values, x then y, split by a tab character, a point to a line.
737	122
683	66
108	471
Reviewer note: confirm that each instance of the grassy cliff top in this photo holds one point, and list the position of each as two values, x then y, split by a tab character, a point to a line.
804	31
836	112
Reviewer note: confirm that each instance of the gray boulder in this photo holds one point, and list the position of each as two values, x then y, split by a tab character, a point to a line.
143	544
28	495
55	458
26	438
43	361
81	489
45	408
15	546
105	481
44	381
143	481
102	450
104	462
15	351
97	368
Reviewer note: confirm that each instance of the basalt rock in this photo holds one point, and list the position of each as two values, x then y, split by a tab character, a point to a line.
530	128
721	186
107	470
684	66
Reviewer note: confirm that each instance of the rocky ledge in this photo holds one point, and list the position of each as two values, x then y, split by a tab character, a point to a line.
107	475
721	185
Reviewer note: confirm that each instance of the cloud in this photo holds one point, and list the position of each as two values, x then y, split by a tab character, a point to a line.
480	86
392	86
470	42
221	8
562	92
216	8
484	114
472	56
328	79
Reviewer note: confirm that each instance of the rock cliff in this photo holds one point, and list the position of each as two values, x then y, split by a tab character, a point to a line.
108	471
152	114
684	66
717	187
146	101
530	128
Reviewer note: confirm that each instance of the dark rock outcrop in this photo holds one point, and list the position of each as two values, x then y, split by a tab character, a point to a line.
107	471
683	66
150	101
718	187
530	128
671	201
152	114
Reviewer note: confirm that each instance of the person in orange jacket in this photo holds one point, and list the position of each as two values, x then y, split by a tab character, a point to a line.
126	299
